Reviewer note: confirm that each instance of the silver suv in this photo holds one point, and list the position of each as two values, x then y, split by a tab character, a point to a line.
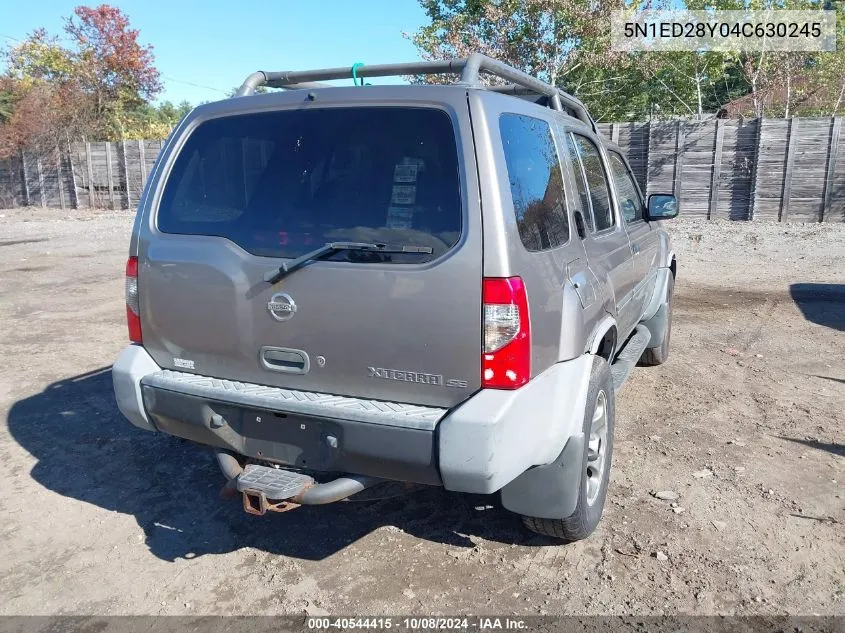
438	284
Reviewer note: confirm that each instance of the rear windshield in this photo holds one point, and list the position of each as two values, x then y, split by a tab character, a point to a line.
283	183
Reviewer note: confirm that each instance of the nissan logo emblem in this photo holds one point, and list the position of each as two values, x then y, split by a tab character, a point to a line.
281	306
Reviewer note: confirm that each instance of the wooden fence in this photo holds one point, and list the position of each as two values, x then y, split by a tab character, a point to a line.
765	169
760	169
84	175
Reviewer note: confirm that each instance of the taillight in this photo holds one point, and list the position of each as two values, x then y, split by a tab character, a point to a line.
133	308
506	354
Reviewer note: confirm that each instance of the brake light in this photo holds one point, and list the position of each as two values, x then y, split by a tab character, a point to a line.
133	307
506	353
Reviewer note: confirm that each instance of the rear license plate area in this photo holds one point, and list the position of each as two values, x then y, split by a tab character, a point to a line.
290	439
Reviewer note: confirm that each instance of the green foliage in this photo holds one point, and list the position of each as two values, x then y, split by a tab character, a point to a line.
7	104
567	42
547	38
260	90
40	58
149	121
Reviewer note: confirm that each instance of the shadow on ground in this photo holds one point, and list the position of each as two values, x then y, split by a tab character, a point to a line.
823	304
842	380
828	447
86	450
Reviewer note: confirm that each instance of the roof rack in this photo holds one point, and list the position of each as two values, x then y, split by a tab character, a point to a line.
468	68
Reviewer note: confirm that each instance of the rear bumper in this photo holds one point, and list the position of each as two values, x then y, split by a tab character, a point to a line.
479	446
292	439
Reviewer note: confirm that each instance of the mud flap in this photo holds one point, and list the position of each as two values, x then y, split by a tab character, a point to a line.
550	491
657	325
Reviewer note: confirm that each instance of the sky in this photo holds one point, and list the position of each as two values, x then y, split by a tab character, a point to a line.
204	49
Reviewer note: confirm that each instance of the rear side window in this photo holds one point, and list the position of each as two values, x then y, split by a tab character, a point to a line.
282	183
536	181
630	203
580	183
593	179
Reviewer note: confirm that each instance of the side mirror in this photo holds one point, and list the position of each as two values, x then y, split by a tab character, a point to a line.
662	206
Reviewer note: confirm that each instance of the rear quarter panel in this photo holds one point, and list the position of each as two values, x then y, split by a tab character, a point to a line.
557	314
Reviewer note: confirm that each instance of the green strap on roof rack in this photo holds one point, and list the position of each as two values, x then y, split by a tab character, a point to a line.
355	68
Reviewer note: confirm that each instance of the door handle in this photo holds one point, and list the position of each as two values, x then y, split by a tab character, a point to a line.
288	361
579	225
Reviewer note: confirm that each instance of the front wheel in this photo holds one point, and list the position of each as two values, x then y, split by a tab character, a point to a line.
599	416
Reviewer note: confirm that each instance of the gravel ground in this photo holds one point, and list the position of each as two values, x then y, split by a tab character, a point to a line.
743	424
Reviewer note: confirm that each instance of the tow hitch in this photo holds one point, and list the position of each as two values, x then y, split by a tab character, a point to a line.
276	490
256	502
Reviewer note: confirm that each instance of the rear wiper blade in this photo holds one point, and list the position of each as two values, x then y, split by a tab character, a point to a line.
272	276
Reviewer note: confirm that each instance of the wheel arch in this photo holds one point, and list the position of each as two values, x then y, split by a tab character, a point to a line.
604	339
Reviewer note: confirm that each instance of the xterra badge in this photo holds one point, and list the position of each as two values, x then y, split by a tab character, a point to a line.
414	376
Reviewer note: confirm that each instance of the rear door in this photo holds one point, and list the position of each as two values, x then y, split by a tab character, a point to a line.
607	246
248	191
644	240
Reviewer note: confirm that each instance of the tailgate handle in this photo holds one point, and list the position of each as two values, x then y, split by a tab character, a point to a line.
288	361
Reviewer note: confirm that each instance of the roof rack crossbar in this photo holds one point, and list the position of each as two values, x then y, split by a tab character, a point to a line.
468	68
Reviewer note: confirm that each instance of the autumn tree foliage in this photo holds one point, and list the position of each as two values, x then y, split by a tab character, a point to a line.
112	65
96	87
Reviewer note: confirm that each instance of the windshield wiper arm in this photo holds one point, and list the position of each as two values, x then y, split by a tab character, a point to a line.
272	276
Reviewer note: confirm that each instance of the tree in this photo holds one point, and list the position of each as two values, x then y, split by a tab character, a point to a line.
567	43
148	121
7	100
545	38
260	90
110	62
830	70
42	116
87	89
40	58
796	83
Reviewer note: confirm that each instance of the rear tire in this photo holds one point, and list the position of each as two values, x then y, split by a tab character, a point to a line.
599	416
654	356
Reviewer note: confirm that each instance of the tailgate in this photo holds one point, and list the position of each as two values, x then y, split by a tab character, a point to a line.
250	191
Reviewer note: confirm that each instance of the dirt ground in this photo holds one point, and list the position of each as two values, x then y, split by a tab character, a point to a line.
744	423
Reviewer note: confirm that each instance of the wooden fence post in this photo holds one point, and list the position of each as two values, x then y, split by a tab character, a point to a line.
614	133
752	186
832	152
60	177
143	163
679	159
110	174
40	171
125	175
25	181
647	157
716	175
786	191
90	175
74	194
